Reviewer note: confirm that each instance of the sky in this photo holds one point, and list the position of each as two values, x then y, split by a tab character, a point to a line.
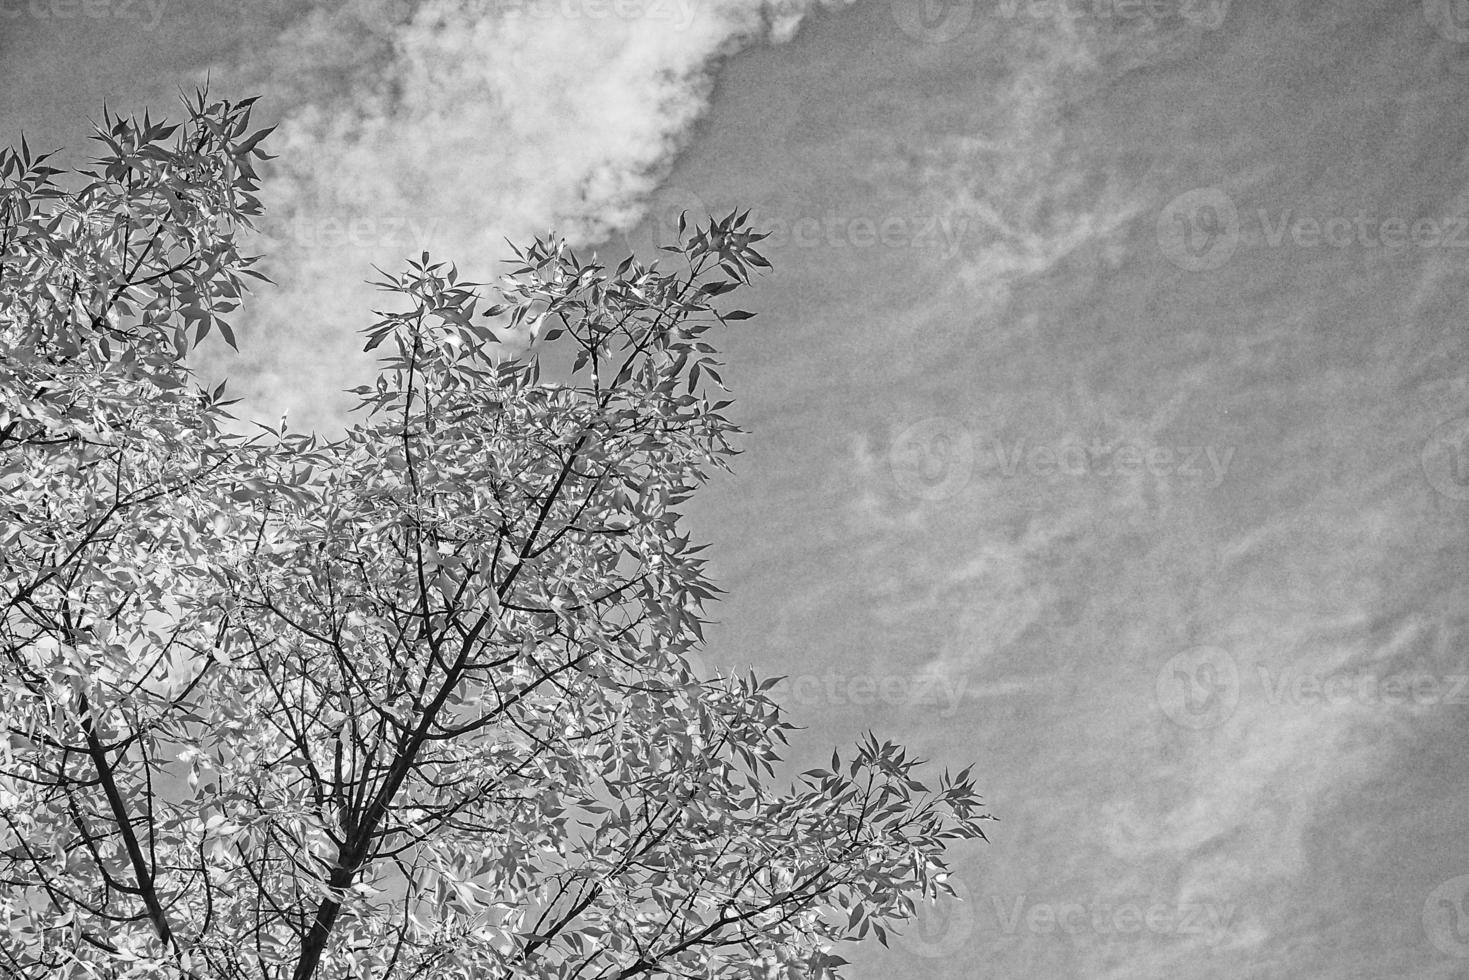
1107	406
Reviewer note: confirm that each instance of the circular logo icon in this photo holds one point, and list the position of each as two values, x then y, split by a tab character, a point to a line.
933	21
1207	14
1199	229
1450	18
660	223
941	927
1445	459
1198	688
1446	917
933	459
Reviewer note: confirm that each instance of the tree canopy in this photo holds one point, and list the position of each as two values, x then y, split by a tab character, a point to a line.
415	701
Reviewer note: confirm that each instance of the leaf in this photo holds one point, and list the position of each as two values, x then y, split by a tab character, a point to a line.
250	144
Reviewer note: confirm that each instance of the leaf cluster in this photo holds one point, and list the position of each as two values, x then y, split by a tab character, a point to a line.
415	701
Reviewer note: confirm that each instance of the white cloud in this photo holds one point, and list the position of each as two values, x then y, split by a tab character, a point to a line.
449	125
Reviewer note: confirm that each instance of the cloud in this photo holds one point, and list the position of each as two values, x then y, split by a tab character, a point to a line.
449	125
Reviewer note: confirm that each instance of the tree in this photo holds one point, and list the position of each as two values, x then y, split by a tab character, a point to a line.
411	702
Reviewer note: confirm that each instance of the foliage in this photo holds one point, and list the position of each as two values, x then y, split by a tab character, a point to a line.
412	702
